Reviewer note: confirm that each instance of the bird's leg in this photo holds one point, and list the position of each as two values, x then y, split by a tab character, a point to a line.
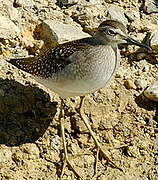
66	160
97	144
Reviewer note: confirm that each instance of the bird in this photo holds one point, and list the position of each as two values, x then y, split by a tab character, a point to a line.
79	68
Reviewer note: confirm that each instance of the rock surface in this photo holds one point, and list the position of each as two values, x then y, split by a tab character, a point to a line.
7	28
61	32
154	40
141	83
152	92
124	121
151	6
116	13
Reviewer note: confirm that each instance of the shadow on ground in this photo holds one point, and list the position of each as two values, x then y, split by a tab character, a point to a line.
25	113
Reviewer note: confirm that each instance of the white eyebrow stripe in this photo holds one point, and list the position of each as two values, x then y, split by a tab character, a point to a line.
118	31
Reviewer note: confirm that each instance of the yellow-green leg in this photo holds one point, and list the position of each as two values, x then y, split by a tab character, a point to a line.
97	144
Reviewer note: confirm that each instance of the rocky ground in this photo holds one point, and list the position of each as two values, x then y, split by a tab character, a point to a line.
123	119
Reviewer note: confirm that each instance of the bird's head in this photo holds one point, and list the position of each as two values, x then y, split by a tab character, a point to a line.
112	32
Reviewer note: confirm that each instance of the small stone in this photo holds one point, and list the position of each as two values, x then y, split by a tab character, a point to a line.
23	3
55	142
7	28
146	68
117	75
154	40
152	92
11	12
55	31
141	56
132	15
117	13
129	84
133	151
27	38
129	16
141	83
151	7
31	149
67	2
29	42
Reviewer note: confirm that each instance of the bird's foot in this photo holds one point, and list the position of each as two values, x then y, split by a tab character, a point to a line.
101	154
68	163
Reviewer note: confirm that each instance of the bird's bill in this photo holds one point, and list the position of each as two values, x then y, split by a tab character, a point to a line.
131	41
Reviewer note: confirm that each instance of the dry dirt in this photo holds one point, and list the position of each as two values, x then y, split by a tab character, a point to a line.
125	122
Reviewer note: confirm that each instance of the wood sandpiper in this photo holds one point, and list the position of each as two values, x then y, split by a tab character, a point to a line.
79	68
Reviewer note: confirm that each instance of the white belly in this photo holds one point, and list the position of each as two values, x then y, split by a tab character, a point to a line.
73	88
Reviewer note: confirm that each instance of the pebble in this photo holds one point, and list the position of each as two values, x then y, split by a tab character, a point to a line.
31	149
152	92
132	15
141	56
117	13
154	40
55	142
133	151
7	28
141	83
67	2
146	68
23	3
55	31
151	7
12	12
129	84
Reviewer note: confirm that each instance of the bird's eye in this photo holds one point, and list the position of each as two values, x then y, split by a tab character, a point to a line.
111	32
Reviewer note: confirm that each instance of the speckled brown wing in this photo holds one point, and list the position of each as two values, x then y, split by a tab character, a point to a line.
52	61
